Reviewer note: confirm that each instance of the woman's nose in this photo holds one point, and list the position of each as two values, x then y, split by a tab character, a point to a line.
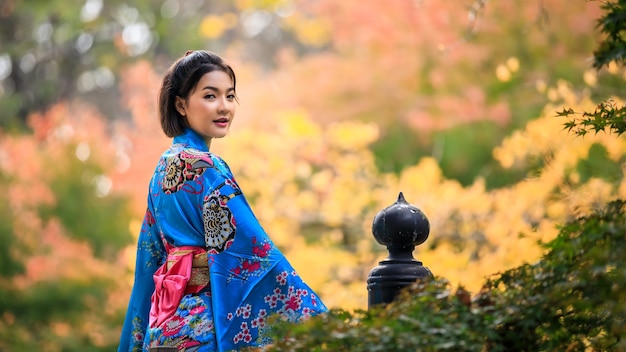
223	104
227	104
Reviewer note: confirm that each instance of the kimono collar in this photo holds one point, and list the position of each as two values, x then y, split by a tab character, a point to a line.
192	139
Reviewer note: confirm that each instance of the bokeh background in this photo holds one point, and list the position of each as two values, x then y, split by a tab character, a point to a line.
343	104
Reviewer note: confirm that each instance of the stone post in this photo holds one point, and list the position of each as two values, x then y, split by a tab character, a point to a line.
400	227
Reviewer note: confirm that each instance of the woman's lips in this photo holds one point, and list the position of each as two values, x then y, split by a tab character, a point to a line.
221	122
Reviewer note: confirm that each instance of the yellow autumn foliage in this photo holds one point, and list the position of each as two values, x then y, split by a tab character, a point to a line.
263	4
214	26
316	190
312	31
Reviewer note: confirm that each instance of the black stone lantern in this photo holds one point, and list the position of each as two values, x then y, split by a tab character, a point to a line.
400	227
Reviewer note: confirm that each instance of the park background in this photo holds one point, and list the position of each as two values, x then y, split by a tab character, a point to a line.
343	104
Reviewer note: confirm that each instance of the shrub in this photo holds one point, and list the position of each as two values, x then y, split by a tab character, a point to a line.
573	299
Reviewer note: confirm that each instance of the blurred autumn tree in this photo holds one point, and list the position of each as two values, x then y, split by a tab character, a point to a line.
51	51
60	265
427	72
432	79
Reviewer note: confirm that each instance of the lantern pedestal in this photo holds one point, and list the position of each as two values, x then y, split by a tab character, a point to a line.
400	227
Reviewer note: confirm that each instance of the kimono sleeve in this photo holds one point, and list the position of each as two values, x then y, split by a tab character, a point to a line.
151	255
250	278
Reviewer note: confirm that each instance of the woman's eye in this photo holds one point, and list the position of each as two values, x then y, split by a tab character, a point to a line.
231	97
209	96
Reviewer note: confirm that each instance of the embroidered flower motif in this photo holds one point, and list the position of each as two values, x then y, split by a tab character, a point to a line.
282	278
196	163
244	311
173	179
191	325
190	302
149	218
173	326
262	250
244	334
232	183
260	321
184	167
202	327
197	310
288	304
306	312
138	337
250	266
293	303
313	299
219	227
254	266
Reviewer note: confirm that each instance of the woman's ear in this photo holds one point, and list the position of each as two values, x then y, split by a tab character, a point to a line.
180	106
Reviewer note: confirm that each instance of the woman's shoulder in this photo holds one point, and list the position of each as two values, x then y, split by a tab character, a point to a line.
195	156
181	168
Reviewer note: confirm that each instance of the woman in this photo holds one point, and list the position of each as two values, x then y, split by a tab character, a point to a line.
207	275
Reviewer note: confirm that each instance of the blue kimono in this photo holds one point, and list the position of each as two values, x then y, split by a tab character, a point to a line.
207	275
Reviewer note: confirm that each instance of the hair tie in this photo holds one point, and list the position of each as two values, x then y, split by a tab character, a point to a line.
188	52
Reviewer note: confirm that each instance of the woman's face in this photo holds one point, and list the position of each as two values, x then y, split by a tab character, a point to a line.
211	105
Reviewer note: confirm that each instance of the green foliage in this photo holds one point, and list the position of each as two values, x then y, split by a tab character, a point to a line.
613	25
30	315
607	114
612	49
464	152
9	265
598	164
72	297
426	317
397	149
99	219
574	299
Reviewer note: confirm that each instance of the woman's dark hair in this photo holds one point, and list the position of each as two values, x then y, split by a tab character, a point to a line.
180	79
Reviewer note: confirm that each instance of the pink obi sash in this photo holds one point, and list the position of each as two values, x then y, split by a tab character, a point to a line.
185	271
